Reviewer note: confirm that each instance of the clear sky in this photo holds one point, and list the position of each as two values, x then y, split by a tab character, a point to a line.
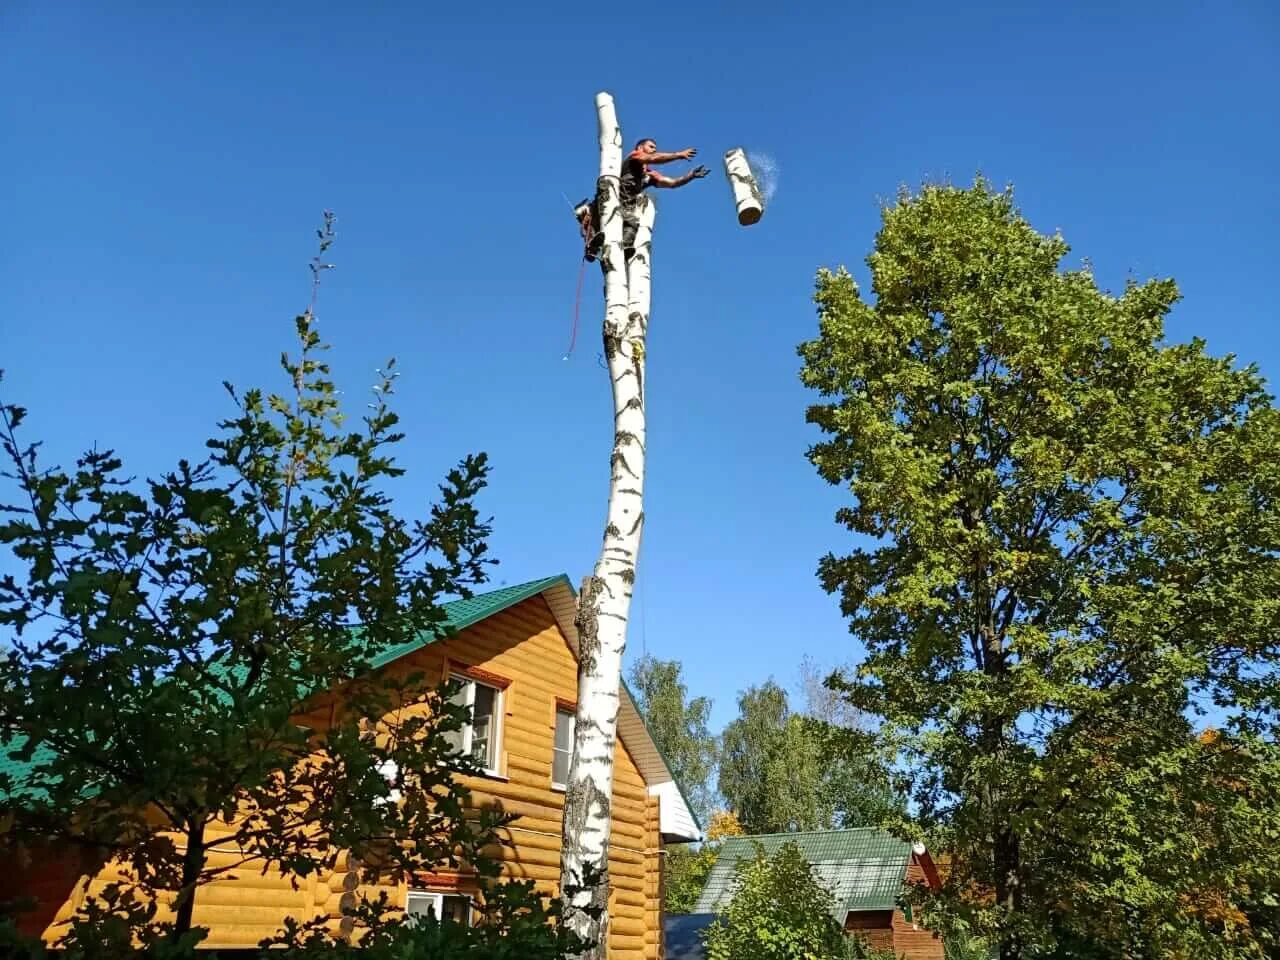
163	169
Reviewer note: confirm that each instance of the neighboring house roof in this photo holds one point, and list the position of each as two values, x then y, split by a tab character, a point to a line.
677	821
863	868
682	935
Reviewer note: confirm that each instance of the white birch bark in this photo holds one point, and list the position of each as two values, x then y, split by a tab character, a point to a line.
746	192
605	601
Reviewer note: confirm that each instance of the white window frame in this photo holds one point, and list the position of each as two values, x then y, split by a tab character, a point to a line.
495	735
572	715
436	898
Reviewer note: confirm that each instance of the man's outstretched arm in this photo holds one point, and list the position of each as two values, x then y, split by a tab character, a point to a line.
658	180
687	154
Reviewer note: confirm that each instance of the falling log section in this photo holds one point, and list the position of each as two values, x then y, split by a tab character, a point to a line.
746	192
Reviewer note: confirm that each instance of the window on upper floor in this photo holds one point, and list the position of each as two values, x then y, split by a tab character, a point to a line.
480	737
423	904
562	751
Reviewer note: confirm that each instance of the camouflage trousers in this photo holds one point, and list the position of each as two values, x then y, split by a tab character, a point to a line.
594	238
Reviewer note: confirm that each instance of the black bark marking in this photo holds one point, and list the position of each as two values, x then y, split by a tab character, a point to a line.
750	181
619	460
588	623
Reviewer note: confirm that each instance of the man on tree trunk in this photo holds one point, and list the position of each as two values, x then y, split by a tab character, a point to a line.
636	175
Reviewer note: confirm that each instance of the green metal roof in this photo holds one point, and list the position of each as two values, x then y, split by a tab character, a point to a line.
465	613
863	868
17	770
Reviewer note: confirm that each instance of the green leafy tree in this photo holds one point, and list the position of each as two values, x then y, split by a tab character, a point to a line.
1070	550
749	746
678	725
165	636
687	866
782	771
679	728
779	911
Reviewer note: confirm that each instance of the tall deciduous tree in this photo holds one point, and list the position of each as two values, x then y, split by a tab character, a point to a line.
604	605
164	637
782	771
1073	550
749	746
678	726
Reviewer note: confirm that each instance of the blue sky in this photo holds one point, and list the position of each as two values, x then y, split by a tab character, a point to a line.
162	171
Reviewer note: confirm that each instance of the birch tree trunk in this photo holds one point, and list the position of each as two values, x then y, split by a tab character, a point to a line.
605	600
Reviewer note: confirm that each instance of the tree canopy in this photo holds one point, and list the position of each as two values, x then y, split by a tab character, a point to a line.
1065	566
783	771
678	725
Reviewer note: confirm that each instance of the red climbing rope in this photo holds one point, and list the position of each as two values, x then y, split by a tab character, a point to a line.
577	305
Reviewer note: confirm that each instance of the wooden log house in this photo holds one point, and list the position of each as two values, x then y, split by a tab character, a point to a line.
515	651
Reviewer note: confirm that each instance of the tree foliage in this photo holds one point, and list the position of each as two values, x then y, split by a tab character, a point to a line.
779	911
678	725
166	635
686	866
782	771
1068	554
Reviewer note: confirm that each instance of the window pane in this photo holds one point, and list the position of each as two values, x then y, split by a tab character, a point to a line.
484	702
564	730
457	909
563	752
422	904
480	747
560	767
457	739
464	691
483	722
419	905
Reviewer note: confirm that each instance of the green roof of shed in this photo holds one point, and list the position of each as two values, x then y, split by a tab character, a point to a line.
863	868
